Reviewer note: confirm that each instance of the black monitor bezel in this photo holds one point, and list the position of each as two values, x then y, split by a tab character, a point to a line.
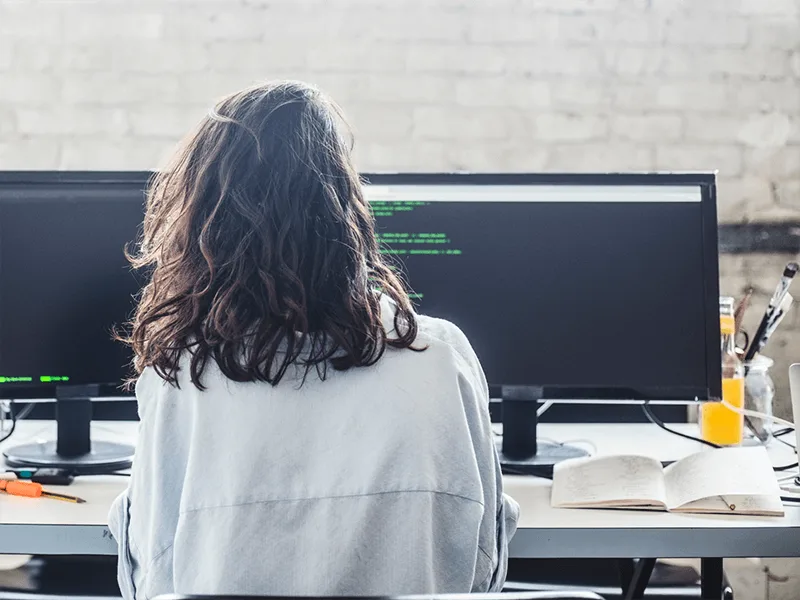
14	179
705	181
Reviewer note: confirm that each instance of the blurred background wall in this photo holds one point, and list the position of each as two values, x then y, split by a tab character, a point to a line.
431	85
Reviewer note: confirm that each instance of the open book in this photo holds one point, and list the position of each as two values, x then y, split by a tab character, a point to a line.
725	481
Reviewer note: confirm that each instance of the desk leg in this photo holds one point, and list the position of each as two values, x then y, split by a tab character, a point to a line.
711	579
626	568
636	577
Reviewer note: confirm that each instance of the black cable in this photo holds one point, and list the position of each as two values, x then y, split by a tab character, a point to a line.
656	421
14	418
778	435
785	467
11	430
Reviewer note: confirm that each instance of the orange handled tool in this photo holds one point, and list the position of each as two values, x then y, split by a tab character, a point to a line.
34	490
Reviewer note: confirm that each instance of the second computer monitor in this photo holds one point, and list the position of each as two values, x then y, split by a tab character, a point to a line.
593	286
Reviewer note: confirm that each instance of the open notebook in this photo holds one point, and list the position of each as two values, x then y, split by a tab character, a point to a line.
724	481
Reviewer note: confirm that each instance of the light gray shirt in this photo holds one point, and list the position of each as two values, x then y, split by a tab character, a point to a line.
376	481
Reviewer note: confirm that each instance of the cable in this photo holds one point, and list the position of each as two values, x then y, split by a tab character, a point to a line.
24	412
658	422
785	467
778	435
544	408
755	414
14	418
10	432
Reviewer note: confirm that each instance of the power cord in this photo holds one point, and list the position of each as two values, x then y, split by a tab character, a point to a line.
14	418
648	412
778	435
756	414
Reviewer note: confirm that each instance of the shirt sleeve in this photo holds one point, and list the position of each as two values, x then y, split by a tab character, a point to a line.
118	523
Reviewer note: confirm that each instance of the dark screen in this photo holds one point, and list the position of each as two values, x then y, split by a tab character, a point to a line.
570	294
65	282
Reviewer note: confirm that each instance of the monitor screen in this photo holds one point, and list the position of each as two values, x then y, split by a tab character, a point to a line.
593	287
64	280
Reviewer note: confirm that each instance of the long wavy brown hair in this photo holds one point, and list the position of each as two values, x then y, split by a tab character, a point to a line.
261	247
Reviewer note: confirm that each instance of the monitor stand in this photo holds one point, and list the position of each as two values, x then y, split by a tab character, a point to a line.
73	448
520	451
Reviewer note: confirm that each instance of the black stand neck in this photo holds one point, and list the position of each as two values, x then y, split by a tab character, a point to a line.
520	421
74	419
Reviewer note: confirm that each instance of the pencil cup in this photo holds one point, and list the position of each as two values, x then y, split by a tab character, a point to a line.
759	394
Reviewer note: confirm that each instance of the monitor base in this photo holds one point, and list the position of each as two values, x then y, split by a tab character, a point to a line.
104	457
541	464
73	448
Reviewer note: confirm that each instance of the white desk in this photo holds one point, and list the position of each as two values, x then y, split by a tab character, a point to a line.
51	527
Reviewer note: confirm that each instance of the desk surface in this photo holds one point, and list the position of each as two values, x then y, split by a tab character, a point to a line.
51	527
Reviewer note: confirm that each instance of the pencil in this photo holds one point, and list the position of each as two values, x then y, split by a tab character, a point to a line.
738	313
63	497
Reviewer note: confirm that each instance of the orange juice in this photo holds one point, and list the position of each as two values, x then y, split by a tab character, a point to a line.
718	423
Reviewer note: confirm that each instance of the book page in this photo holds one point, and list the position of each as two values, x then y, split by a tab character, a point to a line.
608	481
767	506
724	472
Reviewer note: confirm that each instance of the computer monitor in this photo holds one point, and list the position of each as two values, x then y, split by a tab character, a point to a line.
64	284
570	287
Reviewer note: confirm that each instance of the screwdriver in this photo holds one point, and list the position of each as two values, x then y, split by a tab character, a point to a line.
34	490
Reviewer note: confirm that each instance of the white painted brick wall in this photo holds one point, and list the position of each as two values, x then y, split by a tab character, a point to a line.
501	85
666	84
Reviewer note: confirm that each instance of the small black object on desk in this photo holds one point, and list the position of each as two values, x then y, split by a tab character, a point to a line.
73	450
521	453
44	476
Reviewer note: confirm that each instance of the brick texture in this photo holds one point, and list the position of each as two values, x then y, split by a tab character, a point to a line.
508	85
428	85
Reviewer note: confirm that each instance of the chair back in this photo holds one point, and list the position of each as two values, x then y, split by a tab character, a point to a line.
554	595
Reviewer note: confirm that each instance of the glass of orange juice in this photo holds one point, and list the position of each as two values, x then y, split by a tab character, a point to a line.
718	423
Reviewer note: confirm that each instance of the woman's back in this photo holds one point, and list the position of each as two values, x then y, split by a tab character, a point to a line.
303	431
379	481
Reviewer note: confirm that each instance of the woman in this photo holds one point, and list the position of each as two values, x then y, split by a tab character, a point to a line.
302	431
